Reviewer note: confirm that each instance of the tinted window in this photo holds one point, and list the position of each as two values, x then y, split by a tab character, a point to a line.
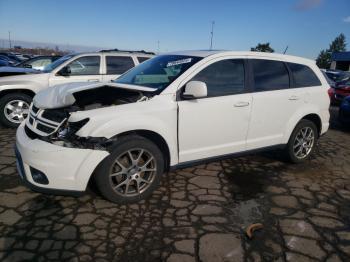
223	78
117	65
303	76
86	65
270	75
142	59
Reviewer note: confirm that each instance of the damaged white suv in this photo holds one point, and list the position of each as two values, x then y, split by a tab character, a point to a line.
171	111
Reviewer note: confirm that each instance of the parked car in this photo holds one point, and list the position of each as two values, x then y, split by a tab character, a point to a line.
337	75
4	62
13	70
38	62
8	61
11	56
16	92
344	111
171	111
339	92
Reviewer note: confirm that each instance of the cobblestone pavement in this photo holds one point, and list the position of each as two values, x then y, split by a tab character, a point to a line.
198	214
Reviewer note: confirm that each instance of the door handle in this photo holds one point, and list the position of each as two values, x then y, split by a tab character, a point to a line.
293	98
241	104
93	80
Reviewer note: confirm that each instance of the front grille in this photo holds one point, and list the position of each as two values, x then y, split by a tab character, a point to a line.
35	109
30	133
44	122
54	115
45	129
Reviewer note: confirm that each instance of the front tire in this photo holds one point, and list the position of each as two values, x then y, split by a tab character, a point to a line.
302	142
14	108
131	172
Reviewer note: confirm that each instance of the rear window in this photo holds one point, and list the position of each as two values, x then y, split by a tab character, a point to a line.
142	59
269	75
303	76
117	65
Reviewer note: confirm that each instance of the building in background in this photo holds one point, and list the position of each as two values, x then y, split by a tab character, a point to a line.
341	61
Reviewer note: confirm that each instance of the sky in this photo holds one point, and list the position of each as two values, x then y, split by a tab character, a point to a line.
305	26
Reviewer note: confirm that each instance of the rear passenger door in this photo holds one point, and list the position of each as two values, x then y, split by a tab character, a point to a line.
116	65
274	102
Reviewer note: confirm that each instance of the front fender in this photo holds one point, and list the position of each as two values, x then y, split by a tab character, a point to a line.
164	123
33	86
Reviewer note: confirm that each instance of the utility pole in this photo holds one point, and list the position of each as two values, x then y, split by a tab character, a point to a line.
10	39
212	35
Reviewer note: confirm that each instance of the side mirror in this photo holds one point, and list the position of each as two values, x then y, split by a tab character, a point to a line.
195	89
65	71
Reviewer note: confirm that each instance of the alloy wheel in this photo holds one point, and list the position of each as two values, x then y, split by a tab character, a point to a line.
133	172
16	111
303	143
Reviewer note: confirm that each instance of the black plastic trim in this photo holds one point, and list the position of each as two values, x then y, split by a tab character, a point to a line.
226	156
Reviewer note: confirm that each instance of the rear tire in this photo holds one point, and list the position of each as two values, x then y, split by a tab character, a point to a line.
131	172
302	142
14	108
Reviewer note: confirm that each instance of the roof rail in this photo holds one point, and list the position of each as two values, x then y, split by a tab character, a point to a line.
127	51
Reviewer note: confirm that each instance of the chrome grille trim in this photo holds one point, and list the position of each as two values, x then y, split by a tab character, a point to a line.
35	117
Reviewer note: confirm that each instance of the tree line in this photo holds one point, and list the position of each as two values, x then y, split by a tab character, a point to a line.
324	58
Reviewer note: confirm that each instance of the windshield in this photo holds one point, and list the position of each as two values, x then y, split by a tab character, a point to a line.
58	62
158	72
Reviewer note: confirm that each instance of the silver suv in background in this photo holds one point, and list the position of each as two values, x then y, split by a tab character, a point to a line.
17	91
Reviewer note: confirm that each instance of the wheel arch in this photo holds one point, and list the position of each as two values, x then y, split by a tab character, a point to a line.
14	91
310	115
316	119
156	138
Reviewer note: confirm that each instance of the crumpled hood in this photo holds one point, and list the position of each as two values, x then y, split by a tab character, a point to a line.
62	95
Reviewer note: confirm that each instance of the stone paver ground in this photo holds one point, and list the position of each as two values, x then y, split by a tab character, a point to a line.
198	214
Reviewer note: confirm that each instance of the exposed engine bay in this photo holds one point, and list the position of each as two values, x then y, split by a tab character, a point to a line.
106	96
52	125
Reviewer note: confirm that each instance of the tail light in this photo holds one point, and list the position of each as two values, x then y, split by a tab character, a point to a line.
331	92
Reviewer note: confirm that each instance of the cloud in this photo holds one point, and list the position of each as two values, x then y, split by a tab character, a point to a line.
347	19
304	5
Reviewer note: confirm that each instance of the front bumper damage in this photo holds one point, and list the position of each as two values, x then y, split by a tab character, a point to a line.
68	170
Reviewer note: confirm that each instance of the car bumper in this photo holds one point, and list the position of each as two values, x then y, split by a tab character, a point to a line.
67	170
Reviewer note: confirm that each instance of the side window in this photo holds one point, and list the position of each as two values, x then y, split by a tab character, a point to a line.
303	76
86	65
225	77
142	59
269	75
117	65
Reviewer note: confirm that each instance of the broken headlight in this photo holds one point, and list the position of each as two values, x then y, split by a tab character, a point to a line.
70	128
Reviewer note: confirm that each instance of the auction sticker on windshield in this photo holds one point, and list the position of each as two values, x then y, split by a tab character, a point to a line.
179	62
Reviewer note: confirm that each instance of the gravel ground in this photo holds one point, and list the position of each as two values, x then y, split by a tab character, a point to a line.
198	214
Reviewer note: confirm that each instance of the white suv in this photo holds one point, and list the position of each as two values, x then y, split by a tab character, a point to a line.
171	111
17	91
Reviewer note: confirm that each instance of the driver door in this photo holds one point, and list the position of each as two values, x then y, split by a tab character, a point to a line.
217	124
82	69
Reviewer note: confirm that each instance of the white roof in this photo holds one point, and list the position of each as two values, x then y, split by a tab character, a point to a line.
276	56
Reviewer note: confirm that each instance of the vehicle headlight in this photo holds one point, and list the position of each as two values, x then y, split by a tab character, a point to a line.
70	128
